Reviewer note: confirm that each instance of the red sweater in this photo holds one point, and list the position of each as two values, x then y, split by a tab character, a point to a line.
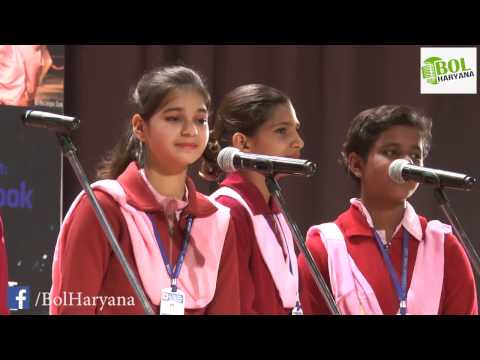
91	267
3	273
458	293
257	288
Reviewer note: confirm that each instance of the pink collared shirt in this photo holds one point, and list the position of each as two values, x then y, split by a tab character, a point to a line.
410	220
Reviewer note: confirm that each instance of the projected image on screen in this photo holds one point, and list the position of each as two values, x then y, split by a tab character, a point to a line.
32	75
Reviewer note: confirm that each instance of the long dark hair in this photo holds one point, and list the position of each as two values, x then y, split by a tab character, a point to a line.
243	110
145	99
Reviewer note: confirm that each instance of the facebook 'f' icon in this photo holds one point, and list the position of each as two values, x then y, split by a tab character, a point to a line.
19	298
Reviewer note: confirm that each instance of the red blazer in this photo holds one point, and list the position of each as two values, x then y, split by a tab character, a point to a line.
458	293
91	267
257	288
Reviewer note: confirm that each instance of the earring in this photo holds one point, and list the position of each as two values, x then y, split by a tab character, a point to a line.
140	155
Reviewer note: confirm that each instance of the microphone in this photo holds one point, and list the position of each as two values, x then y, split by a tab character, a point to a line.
50	121
402	170
230	159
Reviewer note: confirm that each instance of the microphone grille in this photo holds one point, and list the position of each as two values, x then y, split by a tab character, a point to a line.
225	158
395	170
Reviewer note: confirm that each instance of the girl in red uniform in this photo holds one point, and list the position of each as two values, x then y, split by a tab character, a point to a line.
379	256
175	238
257	119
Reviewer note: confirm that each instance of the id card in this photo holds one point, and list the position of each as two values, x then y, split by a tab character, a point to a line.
297	310
172	303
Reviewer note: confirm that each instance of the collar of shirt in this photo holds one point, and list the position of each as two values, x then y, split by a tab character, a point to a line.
141	197
168	204
410	221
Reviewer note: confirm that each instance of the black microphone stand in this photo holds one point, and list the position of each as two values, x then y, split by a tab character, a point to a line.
275	191
69	151
447	209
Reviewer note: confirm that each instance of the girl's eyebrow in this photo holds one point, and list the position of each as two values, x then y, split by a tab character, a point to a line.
173	109
286	123
416	147
182	109
391	144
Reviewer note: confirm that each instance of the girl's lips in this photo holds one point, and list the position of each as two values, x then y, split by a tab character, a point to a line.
187	145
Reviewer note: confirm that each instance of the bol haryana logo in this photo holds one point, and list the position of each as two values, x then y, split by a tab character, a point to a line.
436	70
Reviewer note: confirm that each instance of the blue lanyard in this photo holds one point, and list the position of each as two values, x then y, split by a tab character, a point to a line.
401	291
173	273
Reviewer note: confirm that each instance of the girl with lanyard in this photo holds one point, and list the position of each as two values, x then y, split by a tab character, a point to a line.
379	256
3	272
257	119
180	244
